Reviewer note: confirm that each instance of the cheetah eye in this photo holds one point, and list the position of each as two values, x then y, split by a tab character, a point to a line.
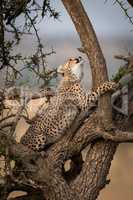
70	59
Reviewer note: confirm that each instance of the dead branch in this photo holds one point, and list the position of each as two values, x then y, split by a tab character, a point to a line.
13	93
128	59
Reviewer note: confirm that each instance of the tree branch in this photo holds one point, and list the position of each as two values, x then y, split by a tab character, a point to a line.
118	136
128	59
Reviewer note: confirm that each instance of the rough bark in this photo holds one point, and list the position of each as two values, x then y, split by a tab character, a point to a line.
47	173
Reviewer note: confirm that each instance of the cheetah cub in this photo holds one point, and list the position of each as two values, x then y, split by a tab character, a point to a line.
69	101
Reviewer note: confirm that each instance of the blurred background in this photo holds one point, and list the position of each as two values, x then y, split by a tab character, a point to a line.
113	29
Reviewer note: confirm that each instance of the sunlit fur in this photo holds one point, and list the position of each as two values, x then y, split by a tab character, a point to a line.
69	102
72	67
77	70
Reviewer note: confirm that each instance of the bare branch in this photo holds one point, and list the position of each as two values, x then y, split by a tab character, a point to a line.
118	136
125	10
128	59
39	42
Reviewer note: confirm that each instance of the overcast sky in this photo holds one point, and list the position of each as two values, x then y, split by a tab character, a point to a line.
108	19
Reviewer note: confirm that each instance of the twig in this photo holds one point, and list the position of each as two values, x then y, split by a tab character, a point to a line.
38	38
125	10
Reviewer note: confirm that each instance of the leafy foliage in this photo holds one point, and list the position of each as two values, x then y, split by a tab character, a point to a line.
31	11
121	72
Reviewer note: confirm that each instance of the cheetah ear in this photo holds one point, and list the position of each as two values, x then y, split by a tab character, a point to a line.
60	70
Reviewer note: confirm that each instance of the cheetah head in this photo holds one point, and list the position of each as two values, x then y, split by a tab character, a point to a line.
73	66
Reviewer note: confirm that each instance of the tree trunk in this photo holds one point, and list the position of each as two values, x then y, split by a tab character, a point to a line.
101	153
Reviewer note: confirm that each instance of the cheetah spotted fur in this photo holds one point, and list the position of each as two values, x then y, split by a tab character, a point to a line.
69	101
